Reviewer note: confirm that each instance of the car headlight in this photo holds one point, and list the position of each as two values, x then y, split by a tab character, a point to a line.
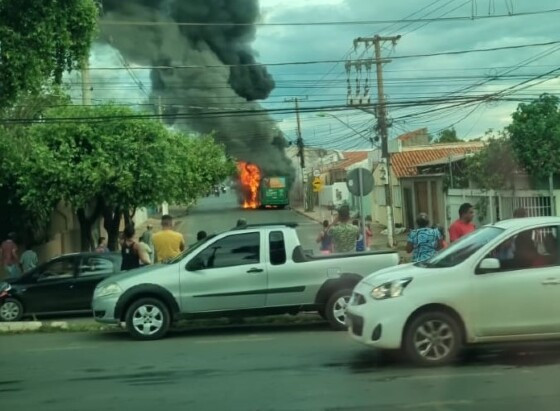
109	289
391	289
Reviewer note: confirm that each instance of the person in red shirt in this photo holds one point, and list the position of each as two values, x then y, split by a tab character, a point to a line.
463	225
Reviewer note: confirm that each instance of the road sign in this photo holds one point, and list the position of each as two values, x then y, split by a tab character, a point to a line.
317	184
316	173
360	177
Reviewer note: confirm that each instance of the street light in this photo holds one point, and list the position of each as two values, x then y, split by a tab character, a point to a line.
360	133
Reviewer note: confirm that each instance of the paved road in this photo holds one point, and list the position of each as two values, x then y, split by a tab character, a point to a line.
260	368
217	214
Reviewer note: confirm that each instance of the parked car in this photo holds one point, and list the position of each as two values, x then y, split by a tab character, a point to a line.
499	284
251	270
64	284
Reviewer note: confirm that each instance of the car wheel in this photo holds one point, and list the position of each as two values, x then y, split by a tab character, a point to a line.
148	319
11	310
335	310
433	339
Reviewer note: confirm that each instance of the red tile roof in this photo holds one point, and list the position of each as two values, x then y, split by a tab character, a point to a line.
350	157
404	163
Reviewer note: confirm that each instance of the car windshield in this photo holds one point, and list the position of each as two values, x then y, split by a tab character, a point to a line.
463	248
189	250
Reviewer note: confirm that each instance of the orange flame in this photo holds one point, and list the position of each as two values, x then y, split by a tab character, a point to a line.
250	178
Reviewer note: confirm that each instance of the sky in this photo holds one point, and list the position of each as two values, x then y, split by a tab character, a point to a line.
407	80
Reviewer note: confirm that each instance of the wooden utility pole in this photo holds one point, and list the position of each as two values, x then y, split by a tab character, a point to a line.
301	155
381	114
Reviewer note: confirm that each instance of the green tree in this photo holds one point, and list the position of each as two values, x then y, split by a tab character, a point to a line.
107	161
448	135
40	40
494	167
535	136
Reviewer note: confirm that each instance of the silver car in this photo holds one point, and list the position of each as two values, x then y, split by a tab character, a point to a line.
253	270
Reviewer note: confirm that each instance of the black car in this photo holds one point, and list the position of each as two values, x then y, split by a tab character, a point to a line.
64	284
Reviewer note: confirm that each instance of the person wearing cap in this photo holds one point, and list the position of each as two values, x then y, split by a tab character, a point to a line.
424	241
148	238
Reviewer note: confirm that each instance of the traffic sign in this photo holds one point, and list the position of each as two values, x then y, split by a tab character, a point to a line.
360	182
317	184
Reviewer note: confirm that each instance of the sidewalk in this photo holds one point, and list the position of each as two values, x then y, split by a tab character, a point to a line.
379	241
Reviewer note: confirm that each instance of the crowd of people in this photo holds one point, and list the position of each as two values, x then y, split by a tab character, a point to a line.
17	256
343	235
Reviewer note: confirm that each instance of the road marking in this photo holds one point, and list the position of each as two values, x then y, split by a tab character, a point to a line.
233	340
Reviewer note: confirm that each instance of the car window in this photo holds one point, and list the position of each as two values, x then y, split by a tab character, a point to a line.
277	248
231	251
56	270
93	266
463	248
529	249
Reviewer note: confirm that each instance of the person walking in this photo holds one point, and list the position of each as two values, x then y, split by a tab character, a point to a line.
133	255
28	259
325	239
9	255
463	225
424	241
147	238
343	233
168	243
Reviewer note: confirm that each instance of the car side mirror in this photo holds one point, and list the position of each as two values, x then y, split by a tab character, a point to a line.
195	264
489	265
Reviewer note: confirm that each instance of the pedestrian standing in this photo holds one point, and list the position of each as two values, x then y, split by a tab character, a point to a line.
28	259
10	258
102	245
325	239
463	225
369	231
147	238
343	233
168	243
133	255
424	241
360	243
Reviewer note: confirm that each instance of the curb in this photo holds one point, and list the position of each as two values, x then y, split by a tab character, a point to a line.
22	326
302	213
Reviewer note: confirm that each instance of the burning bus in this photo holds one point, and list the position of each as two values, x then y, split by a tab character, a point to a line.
258	191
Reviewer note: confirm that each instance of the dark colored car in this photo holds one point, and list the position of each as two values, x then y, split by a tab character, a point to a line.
64	284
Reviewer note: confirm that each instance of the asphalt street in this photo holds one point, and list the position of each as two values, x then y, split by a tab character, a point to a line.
217	214
261	368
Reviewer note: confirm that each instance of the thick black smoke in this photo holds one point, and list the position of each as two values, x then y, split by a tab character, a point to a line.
192	93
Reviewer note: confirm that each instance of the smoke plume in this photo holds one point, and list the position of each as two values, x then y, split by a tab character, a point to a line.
190	94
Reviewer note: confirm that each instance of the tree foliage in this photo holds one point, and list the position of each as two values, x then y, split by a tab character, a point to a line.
104	162
448	135
535	136
494	167
40	40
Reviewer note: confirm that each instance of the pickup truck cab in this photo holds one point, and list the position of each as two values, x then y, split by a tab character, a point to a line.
253	270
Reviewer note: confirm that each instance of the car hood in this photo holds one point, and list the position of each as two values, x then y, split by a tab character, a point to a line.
394	273
133	274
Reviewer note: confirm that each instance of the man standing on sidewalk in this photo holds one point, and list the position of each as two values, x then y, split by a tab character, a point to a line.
168	243
344	235
148	238
463	225
9	255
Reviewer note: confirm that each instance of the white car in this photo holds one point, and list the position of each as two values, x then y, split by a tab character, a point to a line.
498	284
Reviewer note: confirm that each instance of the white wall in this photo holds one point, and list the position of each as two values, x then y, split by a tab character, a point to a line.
328	195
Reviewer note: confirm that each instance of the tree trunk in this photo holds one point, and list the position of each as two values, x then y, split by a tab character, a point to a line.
86	226
112	221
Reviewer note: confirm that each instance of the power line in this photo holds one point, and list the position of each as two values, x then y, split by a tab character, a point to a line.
323	23
364	61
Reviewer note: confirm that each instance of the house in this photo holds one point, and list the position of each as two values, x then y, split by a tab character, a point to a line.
413	192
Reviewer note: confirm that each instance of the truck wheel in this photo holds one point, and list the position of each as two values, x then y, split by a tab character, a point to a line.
432	339
11	310
148	319
335	310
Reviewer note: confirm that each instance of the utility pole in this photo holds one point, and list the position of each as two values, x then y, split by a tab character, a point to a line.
86	83
362	99
301	155
165	204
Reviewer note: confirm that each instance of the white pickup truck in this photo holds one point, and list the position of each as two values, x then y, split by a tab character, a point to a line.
254	270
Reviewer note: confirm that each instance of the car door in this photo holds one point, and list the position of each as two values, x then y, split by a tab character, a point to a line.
51	286
228	274
522	298
92	270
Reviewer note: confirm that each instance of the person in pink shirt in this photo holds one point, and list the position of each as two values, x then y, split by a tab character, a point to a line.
463	225
9	256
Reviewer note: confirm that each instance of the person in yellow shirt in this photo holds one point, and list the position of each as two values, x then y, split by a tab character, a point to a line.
167	243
